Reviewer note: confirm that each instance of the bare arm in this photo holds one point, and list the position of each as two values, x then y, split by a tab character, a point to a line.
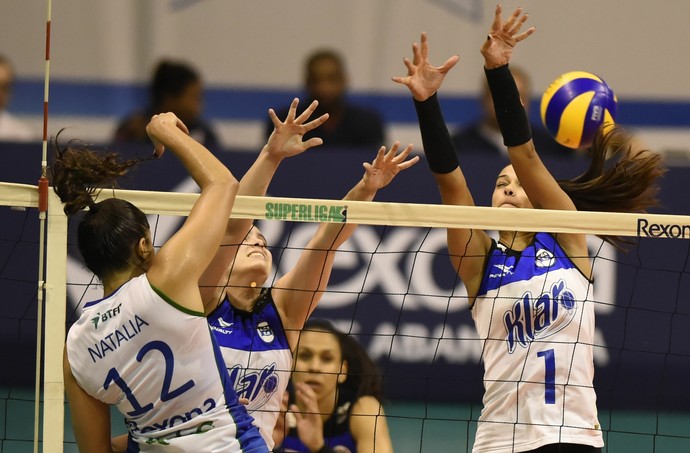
369	427
119	443
285	141
467	247
178	265
90	417
297	293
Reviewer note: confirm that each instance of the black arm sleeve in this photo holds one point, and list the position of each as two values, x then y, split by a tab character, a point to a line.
510	113
438	146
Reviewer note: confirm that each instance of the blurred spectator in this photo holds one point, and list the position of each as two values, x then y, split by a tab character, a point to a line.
11	129
485	137
325	80
176	87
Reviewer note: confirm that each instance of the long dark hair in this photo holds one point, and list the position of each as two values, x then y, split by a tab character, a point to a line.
363	376
111	229
622	177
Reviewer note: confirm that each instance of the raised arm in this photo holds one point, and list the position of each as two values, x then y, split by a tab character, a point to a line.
176	268
540	186
297	293
467	247
285	141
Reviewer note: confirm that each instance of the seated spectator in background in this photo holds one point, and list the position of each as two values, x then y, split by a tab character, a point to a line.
348	124
176	87
335	402
484	136
11	129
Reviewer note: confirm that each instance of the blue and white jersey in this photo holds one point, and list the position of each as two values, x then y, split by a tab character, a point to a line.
535	318
257	354
158	363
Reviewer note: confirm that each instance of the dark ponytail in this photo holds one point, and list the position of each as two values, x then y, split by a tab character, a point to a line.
111	229
622	177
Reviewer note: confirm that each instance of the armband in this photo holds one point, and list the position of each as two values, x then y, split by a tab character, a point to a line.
510	113
438	146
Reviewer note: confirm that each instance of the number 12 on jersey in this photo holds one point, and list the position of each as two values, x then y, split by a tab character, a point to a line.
549	376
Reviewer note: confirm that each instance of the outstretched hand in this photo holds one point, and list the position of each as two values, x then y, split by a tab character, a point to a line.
503	37
387	165
286	138
422	78
159	126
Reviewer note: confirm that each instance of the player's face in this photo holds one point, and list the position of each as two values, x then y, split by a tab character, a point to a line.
253	254
508	193
319	362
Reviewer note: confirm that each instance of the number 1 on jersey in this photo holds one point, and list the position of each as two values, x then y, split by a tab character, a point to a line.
549	376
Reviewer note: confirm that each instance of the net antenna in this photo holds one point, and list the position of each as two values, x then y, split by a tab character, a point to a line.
42	214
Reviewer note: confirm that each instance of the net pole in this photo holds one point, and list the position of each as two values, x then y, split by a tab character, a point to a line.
42	212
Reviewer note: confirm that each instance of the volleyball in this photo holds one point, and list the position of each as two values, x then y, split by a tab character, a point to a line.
575	105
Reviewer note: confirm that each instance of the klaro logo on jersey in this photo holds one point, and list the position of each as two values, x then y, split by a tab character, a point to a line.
539	317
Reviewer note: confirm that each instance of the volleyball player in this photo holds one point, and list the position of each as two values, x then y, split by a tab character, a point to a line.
530	293
146	347
257	328
336	402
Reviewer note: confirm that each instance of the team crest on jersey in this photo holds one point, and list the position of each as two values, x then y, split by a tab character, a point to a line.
544	258
265	332
539	317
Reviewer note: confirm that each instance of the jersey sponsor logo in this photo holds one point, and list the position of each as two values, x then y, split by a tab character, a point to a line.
662	230
257	386
532	318
544	258
109	343
306	212
102	318
265	332
173	421
503	271
225	327
224	324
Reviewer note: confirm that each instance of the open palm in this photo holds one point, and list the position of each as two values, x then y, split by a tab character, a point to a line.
286	138
422	78
387	165
503	37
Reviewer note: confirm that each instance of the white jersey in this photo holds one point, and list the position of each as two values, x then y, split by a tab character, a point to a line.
157	362
535	318
258	357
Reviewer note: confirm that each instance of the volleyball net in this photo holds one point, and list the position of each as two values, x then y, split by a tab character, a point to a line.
394	289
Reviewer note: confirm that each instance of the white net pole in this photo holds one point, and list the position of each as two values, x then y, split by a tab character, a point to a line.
55	318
